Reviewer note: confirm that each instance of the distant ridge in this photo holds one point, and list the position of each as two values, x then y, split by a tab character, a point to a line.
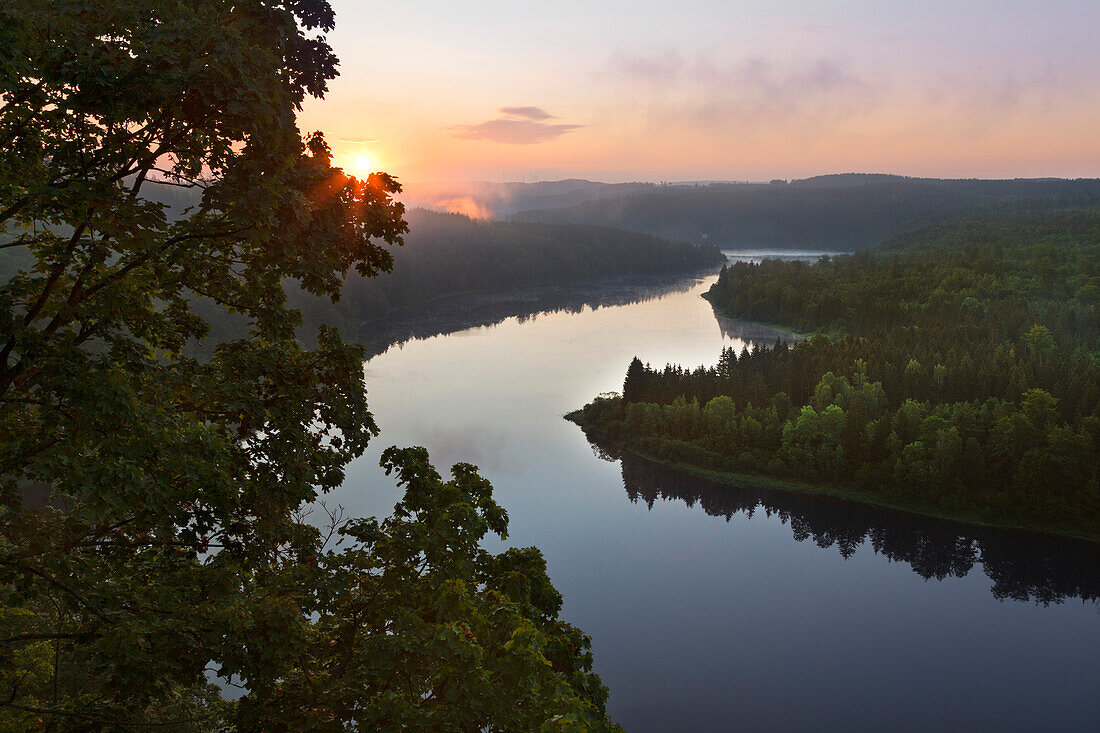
846	211
859	179
853	179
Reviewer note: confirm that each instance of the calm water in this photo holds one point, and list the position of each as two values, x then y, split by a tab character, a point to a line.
734	608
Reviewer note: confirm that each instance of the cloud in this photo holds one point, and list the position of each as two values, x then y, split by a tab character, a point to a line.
527	113
997	94
664	67
759	92
518	126
754	88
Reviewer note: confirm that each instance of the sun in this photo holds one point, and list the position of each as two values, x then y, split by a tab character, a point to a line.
362	165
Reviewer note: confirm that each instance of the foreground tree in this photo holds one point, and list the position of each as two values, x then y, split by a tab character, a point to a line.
152	527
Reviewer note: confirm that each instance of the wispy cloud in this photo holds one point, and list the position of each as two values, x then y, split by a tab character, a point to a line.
517	126
657	68
527	113
996	93
755	88
782	93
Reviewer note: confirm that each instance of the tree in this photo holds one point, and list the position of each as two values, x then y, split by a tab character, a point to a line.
453	638
153	522
720	421
633	385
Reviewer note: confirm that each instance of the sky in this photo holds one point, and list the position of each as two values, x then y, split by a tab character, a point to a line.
714	90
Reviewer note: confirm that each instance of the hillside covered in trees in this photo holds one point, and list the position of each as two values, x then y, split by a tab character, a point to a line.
445	254
960	376
842	212
448	254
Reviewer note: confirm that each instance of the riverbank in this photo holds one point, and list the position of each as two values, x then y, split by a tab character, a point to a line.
846	493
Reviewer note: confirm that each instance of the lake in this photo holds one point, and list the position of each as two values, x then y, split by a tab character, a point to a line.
714	607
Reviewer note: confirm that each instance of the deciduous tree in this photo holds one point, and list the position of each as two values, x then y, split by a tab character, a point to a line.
151	504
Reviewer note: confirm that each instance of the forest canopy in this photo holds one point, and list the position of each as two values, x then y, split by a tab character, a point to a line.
955	370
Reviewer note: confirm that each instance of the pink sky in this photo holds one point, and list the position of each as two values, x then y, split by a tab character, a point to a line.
696	89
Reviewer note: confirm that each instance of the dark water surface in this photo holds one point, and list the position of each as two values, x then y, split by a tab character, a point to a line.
717	608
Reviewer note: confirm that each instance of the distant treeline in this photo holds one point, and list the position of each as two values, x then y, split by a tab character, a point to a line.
961	376
845	212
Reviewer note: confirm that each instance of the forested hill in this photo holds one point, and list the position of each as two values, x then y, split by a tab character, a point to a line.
842	212
962	376
446	254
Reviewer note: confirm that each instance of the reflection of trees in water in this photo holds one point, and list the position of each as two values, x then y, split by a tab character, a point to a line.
754	332
1022	565
459	312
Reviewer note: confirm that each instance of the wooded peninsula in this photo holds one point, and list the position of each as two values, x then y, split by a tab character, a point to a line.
955	371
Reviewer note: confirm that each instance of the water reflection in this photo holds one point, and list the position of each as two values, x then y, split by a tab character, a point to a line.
1023	566
700	625
755	333
473	310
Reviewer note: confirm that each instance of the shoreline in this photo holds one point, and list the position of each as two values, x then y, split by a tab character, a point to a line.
836	492
722	313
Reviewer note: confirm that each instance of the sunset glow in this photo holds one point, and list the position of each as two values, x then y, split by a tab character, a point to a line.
709	90
361	166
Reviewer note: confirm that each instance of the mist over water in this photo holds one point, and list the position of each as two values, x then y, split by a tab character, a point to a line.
724	608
